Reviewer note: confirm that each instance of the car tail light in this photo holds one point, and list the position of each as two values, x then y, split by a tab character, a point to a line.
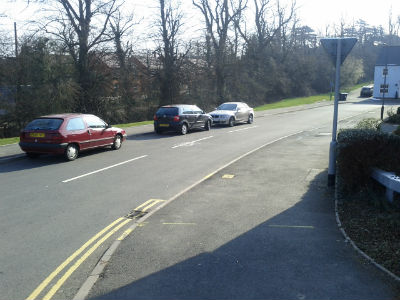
176	119
56	136
155	118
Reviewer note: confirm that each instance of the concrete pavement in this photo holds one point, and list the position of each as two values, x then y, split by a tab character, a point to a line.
262	228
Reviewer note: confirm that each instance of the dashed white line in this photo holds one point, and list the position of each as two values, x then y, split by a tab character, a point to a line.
241	129
103	169
188	144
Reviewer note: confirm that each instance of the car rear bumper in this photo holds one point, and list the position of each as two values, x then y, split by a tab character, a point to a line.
42	147
175	126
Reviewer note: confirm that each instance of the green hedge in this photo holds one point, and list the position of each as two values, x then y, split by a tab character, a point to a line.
360	150
393	116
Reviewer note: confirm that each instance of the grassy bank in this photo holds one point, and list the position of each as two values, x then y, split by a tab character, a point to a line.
294	102
8	141
126	125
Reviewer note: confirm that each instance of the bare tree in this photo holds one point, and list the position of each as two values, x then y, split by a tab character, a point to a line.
81	25
393	27
271	20
170	51
122	27
219	16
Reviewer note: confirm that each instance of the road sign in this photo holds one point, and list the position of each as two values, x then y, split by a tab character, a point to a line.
331	44
338	49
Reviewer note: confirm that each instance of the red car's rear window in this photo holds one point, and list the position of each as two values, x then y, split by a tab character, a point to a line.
44	124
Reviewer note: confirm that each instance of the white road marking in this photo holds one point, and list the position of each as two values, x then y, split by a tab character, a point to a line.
188	144
241	129
106	168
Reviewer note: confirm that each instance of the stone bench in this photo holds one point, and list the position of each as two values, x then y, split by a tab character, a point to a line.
389	180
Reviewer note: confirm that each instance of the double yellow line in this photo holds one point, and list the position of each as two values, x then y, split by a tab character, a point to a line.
100	237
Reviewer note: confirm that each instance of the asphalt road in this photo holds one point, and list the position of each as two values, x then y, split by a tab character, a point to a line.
50	208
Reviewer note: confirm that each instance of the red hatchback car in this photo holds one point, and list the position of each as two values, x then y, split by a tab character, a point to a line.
69	134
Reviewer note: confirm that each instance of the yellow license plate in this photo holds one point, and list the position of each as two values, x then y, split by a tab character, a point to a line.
164	125
37	134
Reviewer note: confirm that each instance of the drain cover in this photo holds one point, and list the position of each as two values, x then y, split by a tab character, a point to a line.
136	214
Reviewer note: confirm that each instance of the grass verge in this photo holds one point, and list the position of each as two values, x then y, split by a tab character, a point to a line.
126	125
294	102
8	141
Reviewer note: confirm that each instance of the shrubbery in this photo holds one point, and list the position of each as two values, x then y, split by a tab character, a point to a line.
393	117
360	150
369	123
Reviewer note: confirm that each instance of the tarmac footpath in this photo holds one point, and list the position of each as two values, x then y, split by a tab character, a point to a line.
262	228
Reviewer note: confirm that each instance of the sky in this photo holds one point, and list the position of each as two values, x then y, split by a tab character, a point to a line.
316	14
319	13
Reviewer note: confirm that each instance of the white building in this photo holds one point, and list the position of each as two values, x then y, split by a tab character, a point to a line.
387	70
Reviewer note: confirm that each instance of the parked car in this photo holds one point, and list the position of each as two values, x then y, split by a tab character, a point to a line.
367	91
181	118
231	113
69	134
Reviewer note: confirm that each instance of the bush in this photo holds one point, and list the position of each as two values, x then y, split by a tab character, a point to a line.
393	117
360	150
369	123
397	131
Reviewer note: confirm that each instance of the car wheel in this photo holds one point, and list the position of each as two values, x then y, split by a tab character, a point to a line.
207	126
71	153
184	129
117	142
158	130
231	122
251	119
32	154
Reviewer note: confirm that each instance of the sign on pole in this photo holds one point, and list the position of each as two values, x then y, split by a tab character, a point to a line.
331	44
338	49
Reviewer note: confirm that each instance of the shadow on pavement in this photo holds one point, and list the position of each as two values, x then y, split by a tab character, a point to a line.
297	254
26	163
371	101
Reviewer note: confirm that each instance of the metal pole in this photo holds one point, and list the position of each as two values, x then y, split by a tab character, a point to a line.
16	40
384	85
332	146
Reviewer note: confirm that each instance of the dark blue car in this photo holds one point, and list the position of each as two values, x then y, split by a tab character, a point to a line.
181	118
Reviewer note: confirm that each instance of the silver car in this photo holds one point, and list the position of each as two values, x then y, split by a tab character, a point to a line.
231	113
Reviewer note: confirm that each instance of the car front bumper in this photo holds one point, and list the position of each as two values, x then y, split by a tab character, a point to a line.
221	120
